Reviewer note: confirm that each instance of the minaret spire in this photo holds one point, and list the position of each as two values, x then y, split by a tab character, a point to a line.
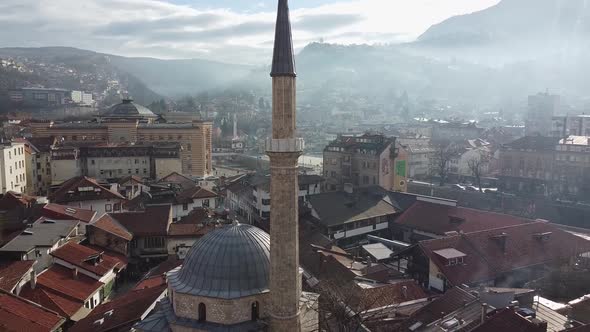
283	60
284	149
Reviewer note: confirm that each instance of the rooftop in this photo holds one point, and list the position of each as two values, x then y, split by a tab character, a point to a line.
111	225
533	143
18	314
575	140
82	188
228	263
120	312
492	252
153	221
12	273
52	210
338	208
442	218
43	233
128	109
95	261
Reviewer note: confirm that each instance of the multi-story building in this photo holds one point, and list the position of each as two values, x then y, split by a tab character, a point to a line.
564	126
541	109
13	170
107	161
572	166
83	98
362	161
40	97
128	122
419	152
38	164
527	164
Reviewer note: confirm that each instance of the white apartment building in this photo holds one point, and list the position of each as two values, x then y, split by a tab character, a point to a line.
13	171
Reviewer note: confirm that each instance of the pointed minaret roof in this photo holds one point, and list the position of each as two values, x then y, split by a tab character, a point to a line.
283	60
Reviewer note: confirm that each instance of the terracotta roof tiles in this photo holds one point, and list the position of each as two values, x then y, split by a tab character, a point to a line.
12	273
67	212
18	314
111	225
70	191
86	258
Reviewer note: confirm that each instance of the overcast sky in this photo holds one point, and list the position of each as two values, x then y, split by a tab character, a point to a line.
236	31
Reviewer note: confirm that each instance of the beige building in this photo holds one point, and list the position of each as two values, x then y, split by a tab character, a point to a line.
128	122
108	161
13	171
362	161
38	165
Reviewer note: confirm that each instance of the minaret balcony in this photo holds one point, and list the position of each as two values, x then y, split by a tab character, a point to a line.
285	145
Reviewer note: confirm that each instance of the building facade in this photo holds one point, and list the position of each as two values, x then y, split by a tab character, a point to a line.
541	109
572	166
131	123
362	161
13	171
576	125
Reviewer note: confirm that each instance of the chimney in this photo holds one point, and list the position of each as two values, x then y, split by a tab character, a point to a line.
369	261
75	273
484	311
33	279
405	292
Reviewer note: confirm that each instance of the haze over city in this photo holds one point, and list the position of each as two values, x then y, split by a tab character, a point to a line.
295	165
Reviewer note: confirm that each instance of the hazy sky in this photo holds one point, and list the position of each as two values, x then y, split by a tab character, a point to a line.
237	31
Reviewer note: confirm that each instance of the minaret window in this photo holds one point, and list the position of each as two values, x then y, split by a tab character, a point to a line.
255	310
202	312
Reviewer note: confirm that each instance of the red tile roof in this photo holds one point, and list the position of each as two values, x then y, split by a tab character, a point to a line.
439	219
178	178
121	312
153	221
132	179
69	191
525	245
12	273
42	144
508	320
67	212
18	314
151	282
87	258
59	303
111	225
60	280
192	230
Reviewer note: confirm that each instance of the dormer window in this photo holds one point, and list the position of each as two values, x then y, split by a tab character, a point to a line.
451	256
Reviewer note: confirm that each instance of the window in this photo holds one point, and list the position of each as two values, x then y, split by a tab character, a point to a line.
255	310
202	312
108	207
206	202
184	206
117	206
264	202
154	242
188	147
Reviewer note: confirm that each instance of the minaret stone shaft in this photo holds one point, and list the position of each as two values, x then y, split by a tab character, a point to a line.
284	149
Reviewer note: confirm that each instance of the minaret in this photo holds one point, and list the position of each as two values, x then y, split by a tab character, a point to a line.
283	149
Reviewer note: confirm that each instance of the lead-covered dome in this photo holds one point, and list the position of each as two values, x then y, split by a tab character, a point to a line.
127	109
228	263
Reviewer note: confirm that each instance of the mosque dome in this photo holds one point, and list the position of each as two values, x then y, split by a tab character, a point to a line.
228	263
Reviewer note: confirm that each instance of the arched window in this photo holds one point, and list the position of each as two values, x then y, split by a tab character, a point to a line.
202	312
255	310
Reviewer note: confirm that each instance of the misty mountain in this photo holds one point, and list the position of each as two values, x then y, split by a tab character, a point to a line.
514	30
147	79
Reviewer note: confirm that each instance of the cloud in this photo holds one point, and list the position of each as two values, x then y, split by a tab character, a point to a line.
165	29
326	22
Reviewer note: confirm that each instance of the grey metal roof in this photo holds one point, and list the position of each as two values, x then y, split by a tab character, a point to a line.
283	60
378	250
79	125
127	108
43	235
228	263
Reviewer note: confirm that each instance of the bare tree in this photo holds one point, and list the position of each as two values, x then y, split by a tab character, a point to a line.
477	166
440	162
